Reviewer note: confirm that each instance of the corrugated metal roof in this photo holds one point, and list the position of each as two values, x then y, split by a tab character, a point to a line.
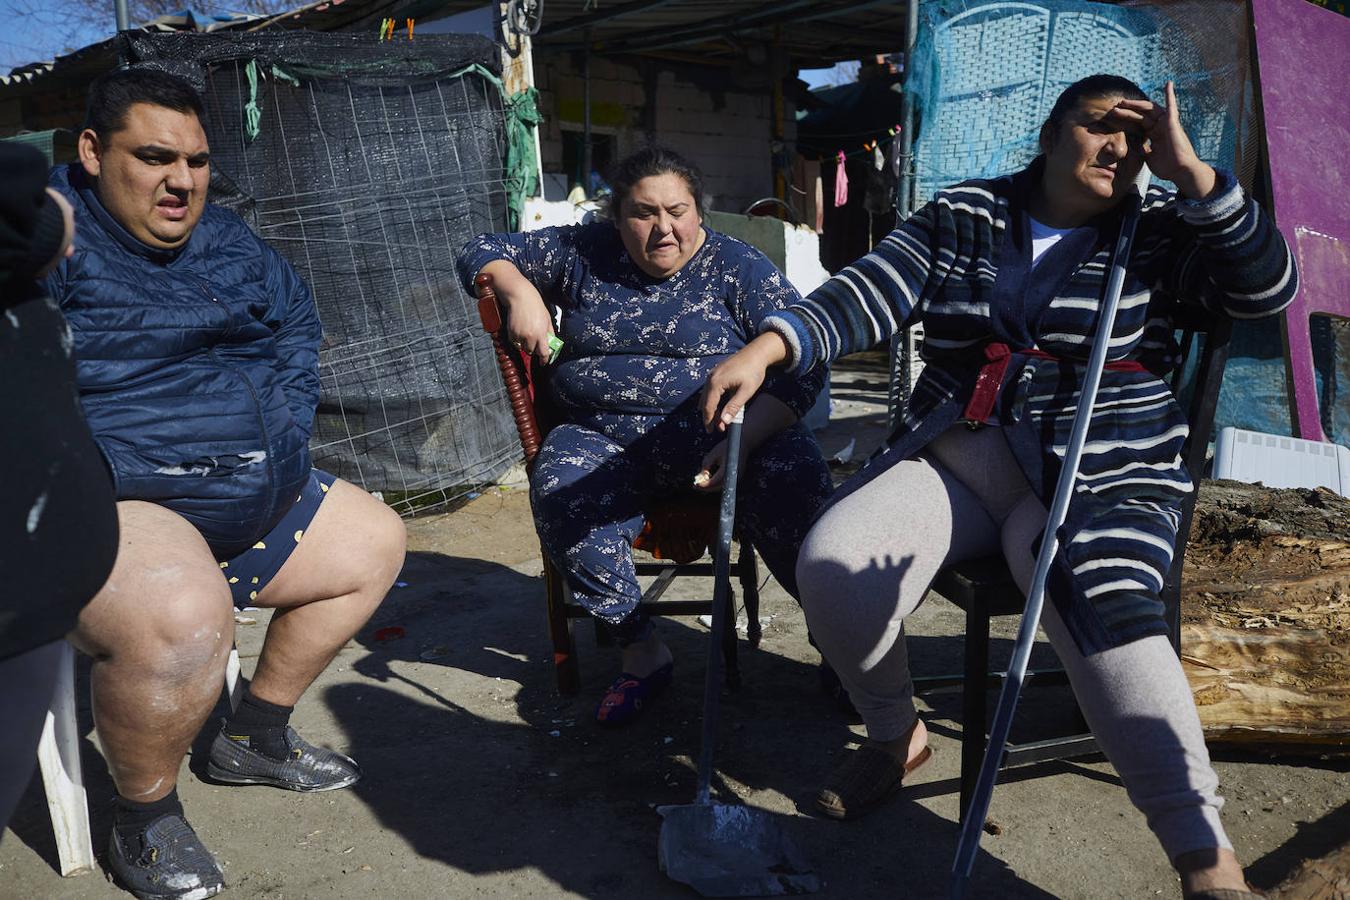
95	57
808	30
812	32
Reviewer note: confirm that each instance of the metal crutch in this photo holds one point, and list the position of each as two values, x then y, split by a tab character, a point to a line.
973	824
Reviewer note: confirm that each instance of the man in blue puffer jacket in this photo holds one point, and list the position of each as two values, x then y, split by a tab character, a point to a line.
197	365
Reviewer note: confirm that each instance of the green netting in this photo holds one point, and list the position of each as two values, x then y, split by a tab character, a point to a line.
522	168
522	115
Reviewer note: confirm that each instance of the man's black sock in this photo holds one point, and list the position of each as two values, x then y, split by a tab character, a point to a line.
261	725
131	818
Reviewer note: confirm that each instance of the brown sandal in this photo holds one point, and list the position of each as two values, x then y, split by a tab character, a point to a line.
865	778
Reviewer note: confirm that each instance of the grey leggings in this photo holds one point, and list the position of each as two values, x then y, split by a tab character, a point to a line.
869	560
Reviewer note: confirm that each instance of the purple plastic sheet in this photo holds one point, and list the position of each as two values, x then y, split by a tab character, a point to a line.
1301	52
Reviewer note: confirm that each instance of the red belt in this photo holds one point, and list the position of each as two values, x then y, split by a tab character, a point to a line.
990	377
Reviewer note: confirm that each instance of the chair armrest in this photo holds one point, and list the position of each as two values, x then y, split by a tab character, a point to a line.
514	368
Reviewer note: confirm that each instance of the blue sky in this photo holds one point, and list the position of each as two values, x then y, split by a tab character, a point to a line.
840	73
29	36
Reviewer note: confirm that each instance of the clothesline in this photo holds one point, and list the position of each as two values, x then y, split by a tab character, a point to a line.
872	147
869	146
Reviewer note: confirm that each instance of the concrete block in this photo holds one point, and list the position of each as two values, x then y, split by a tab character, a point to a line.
669	119
687	98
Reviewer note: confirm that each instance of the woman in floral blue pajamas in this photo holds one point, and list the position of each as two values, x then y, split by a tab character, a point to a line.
651	302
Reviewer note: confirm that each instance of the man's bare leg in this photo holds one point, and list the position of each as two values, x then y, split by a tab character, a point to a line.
160	633
341	569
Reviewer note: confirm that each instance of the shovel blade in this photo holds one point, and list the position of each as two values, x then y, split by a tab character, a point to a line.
731	851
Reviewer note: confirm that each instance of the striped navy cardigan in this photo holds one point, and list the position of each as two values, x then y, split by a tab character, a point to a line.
961	266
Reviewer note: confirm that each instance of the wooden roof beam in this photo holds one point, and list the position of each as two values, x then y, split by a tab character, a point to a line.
618	12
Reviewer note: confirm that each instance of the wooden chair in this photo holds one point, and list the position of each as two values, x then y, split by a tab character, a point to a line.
984	588
676	532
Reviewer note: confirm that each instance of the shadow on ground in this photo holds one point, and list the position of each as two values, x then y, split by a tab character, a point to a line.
540	786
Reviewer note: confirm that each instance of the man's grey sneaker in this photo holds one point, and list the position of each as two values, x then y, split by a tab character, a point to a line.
170	863
305	768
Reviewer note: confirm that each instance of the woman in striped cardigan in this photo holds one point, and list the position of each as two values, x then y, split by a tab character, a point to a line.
1007	276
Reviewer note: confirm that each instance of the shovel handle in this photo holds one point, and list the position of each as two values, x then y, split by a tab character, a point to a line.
721	596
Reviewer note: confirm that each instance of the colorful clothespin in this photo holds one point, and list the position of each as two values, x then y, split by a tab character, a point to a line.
410	29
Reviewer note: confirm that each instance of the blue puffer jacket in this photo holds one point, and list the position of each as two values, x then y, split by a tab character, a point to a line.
197	368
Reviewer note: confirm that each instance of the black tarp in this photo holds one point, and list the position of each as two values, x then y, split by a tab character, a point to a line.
373	163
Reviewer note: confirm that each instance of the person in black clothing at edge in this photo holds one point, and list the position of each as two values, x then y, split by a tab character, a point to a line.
197	350
58	526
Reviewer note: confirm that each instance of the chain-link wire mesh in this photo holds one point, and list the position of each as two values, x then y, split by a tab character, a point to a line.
373	163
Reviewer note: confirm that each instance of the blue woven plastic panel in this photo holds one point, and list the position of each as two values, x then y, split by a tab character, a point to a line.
985	75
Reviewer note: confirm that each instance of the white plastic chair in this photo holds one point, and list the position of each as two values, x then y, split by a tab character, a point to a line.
59	760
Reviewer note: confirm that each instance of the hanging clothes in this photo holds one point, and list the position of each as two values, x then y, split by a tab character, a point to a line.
840	182
820	205
893	155
879	189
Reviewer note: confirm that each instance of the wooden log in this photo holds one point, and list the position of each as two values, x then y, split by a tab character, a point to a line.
1266	617
1282	688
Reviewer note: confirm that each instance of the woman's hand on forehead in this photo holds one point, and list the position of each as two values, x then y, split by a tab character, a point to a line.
1169	153
1137	119
1145	115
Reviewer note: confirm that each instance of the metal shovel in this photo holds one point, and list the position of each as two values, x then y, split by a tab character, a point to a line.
717	849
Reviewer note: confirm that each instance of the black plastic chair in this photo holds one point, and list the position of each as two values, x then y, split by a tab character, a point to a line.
984	587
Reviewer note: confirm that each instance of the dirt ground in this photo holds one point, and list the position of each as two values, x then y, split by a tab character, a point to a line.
480	780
